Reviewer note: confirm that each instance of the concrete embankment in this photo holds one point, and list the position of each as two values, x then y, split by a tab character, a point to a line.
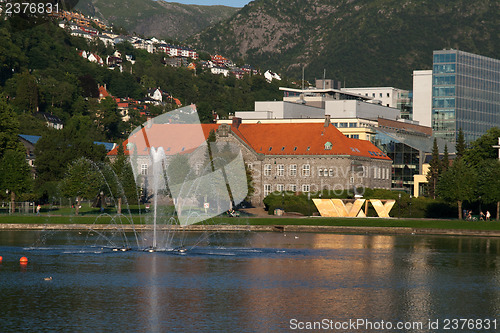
259	228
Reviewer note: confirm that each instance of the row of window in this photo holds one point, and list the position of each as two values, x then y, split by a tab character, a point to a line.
268	188
380	95
378	173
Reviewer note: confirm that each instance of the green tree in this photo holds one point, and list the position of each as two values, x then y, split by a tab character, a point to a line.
27	93
9	128
489	182
482	148
445	162
126	188
55	150
15	173
109	118
460	146
11	56
458	184
82	180
434	171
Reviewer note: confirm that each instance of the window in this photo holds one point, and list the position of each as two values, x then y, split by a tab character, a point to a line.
267	189
293	170
388	95
306	170
380	95
250	166
144	169
281	170
267	169
378	173
306	188
280	187
355	136
320	172
353	125
292	187
330	172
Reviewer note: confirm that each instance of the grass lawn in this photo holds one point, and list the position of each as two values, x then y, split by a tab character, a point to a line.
94	218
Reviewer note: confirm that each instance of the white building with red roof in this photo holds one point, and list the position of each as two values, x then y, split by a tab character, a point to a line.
297	157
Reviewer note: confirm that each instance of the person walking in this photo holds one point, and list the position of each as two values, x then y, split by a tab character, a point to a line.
38	209
488	215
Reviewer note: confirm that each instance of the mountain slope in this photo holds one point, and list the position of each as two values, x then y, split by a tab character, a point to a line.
156	18
361	42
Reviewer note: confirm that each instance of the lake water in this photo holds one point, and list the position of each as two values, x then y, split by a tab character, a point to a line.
252	282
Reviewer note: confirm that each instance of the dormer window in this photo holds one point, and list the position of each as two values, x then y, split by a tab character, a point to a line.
328	145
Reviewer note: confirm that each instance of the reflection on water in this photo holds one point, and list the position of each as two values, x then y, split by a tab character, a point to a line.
258	282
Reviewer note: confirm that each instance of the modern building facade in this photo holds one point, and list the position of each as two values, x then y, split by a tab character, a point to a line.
465	94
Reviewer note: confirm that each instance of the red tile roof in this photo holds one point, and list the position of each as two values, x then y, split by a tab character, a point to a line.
103	93
267	139
304	139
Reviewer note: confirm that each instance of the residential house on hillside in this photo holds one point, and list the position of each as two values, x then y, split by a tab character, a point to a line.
216	70
158	96
51	120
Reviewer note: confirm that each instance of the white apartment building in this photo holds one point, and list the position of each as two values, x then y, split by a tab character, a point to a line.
422	97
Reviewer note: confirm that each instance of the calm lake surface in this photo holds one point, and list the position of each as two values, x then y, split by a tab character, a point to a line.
250	282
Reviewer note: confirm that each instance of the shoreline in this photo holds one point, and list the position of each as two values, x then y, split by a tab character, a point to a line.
257	228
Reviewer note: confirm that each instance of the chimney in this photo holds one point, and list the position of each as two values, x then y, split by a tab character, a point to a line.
236	122
327	120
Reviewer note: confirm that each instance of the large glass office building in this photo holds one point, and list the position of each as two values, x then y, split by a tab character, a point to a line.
465	94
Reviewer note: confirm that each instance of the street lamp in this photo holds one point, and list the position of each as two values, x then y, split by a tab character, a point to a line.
410	203
399	205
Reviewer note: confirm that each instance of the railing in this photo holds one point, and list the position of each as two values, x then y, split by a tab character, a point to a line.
20	207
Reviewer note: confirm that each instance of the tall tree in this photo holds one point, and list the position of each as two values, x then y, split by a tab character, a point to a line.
27	93
458	184
482	148
15	174
445	162
9	128
109	118
126	188
434	170
489	182
460	146
82	180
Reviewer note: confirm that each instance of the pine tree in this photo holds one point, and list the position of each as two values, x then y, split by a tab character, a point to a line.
460	147
434	170
445	162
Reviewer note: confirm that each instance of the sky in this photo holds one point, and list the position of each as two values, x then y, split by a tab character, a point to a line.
231	3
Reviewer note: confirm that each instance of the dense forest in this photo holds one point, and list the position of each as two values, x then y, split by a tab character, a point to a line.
42	72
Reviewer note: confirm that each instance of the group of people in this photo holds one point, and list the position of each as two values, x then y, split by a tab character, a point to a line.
482	217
